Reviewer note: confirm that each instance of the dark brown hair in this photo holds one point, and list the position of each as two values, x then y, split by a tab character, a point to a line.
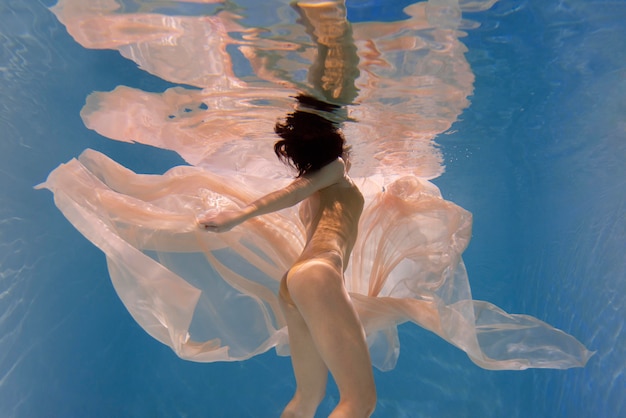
308	140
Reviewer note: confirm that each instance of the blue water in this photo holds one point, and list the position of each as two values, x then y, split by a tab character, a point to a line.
538	157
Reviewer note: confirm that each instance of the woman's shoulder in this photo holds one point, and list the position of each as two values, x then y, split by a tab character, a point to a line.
338	165
333	170
331	173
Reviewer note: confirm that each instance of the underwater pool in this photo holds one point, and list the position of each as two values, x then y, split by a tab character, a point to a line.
533	141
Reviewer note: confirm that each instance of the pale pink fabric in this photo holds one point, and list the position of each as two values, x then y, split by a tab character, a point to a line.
213	297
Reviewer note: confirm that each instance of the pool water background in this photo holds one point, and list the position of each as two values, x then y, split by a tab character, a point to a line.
538	158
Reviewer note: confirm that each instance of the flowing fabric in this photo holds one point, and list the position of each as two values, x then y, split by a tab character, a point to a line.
213	297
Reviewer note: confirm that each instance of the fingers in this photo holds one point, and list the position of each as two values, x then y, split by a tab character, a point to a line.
206	221
212	222
213	227
206	224
207	217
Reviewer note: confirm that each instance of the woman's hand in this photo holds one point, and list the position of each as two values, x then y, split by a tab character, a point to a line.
220	221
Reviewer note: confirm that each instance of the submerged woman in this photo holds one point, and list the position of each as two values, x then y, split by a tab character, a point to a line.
325	333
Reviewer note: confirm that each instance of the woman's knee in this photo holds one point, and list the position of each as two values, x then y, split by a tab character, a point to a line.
364	406
369	400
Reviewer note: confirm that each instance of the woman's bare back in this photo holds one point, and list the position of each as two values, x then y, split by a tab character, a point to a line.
331	217
325	332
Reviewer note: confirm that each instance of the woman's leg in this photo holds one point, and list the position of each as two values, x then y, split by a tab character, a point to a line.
309	369
318	293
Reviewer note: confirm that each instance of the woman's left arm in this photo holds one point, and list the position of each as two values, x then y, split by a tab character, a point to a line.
292	194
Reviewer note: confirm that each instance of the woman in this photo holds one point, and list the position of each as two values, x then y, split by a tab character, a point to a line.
325	333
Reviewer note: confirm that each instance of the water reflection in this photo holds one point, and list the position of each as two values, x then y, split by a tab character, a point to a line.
411	77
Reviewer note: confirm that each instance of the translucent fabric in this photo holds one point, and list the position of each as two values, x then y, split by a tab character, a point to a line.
213	297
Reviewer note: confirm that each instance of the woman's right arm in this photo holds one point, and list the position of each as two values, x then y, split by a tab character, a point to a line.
292	194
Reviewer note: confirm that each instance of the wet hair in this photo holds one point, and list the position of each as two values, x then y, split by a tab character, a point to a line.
309	141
